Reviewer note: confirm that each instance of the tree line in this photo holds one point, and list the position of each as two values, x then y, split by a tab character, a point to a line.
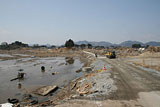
68	44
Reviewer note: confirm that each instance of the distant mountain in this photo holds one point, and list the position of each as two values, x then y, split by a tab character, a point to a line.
153	43
82	42
125	43
48	45
102	43
130	43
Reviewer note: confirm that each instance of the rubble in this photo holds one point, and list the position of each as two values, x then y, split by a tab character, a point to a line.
54	73
69	60
27	96
6	105
13	101
95	83
19	76
45	90
86	69
79	70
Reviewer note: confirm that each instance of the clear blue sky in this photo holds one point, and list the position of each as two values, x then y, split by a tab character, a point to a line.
55	21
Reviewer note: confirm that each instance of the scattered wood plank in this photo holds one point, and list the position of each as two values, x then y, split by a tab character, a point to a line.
45	90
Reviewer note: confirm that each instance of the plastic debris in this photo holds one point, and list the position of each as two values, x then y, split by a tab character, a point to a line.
6	105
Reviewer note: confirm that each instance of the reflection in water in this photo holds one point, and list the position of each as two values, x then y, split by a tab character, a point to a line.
69	60
19	85
42	70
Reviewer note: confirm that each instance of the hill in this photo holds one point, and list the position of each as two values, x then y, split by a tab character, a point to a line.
153	43
130	43
125	43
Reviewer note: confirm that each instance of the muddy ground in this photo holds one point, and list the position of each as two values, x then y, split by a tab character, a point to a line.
123	83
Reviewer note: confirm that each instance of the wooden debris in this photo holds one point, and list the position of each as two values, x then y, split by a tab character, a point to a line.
79	70
74	85
45	90
54	73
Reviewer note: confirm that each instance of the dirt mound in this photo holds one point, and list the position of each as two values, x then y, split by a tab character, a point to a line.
153	49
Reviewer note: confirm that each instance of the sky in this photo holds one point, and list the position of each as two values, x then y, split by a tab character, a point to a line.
55	21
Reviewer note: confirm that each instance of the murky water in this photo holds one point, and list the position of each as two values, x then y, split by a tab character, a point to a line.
64	72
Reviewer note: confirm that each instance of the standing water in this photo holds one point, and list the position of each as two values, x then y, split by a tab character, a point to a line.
63	70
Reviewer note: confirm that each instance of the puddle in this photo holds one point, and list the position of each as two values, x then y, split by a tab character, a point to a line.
5	55
64	73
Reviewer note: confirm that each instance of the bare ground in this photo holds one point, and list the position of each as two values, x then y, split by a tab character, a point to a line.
136	87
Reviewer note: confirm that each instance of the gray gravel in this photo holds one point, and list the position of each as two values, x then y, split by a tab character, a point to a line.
102	83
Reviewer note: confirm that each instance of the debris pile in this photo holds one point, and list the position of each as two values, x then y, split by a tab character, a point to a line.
69	60
96	83
153	49
99	82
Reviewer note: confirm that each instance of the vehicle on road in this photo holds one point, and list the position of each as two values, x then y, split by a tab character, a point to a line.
111	55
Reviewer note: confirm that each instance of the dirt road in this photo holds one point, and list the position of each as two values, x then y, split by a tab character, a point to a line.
136	87
131	79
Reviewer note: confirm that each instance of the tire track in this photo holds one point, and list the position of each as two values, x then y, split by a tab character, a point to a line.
131	80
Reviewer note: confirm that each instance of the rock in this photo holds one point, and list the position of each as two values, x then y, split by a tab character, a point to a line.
42	68
13	101
27	96
54	73
21	70
69	60
86	69
79	70
33	102
45	90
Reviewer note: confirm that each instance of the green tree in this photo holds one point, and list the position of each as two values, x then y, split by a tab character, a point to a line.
83	46
69	43
89	46
136	45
